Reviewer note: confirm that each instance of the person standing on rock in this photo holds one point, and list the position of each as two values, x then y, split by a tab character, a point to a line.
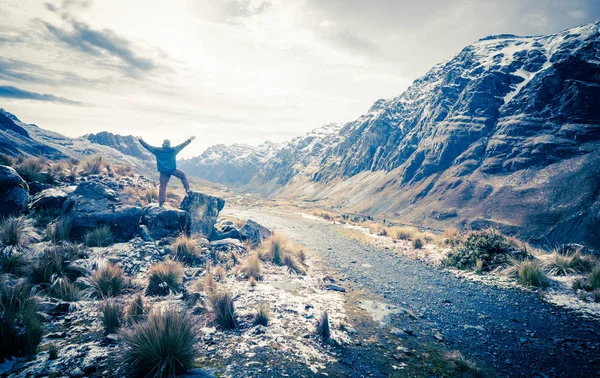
166	164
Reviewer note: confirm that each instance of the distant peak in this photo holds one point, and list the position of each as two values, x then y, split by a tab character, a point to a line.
9	115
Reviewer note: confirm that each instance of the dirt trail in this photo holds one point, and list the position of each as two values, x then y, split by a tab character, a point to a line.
511	330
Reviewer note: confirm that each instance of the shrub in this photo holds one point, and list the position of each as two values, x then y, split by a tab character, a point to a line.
32	169
162	345
489	245
57	262
185	249
21	326
136	309
595	278
323	326
165	277
253	267
222	304
111	316
262	315
100	236
94	165
417	243
108	280
528	273
17	231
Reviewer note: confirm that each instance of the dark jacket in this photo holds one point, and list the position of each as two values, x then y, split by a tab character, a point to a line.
165	157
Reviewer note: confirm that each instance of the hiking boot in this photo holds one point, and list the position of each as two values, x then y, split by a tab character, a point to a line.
161	204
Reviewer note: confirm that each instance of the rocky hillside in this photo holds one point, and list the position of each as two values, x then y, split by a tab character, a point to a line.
506	133
20	138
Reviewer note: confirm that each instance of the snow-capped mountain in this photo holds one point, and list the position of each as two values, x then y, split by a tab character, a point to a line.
506	133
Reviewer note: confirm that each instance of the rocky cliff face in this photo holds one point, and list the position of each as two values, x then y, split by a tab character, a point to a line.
126	144
506	133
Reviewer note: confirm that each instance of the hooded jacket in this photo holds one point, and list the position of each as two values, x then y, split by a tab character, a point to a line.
165	156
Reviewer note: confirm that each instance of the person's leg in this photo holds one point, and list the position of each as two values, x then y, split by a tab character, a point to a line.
162	191
181	175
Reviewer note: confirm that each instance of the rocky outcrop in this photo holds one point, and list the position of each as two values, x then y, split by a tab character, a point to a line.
13	192
162	222
203	210
253	233
51	199
126	144
15	139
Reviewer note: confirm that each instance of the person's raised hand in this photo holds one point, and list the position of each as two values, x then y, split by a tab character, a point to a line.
192	137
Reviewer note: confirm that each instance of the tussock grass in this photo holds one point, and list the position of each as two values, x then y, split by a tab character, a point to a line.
220	273
323	329
136	308
112	316
165	277
17	231
293	264
161	346
262	315
94	165
417	243
124	170
64	289
558	264
109	280
150	195
462	367
21	326
14	262
281	251
403	233
100	236
452	236
478	269
528	273
53	352
209	283
60	230
32	169
222	305
185	249
253	267
595	278
57	262
6	160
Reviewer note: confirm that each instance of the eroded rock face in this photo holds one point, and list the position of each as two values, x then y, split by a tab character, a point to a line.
162	222
93	204
13	192
203	210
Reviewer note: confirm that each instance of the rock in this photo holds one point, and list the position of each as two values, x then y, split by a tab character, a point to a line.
227	245
335	288
94	204
254	233
36	187
199	373
13	192
162	222
203	210
52	198
226	232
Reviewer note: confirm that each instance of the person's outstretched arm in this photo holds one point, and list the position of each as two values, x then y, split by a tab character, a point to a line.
146	145
184	144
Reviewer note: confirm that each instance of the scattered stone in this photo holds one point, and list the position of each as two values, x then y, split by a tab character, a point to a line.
335	288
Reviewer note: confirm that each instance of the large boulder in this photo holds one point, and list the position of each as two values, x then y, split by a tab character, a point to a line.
203	210
162	222
253	233
51	199
94	204
13	192
225	229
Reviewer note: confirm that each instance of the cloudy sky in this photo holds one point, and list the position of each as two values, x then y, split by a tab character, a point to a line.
237	71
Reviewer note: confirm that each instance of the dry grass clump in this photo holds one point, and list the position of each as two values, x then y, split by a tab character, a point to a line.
222	305
403	233
17	231
478	269
6	160
150	195
185	249
209	284
281	251
93	165
262	315
165	277
53	352
21	326
558	264
136	309
528	273
65	289
60	230
595	278
108	280
323	329
32	169
253	267
124	170
220	273
112	316
161	346
462	367
13	262
100	236
377	229
57	262
417	243
452	236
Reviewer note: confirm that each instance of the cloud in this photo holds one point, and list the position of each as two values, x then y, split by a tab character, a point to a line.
8	91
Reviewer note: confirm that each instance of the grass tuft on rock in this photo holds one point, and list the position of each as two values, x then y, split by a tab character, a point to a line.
222	305
112	316
21	326
17	231
165	277
93	165
100	236
161	346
